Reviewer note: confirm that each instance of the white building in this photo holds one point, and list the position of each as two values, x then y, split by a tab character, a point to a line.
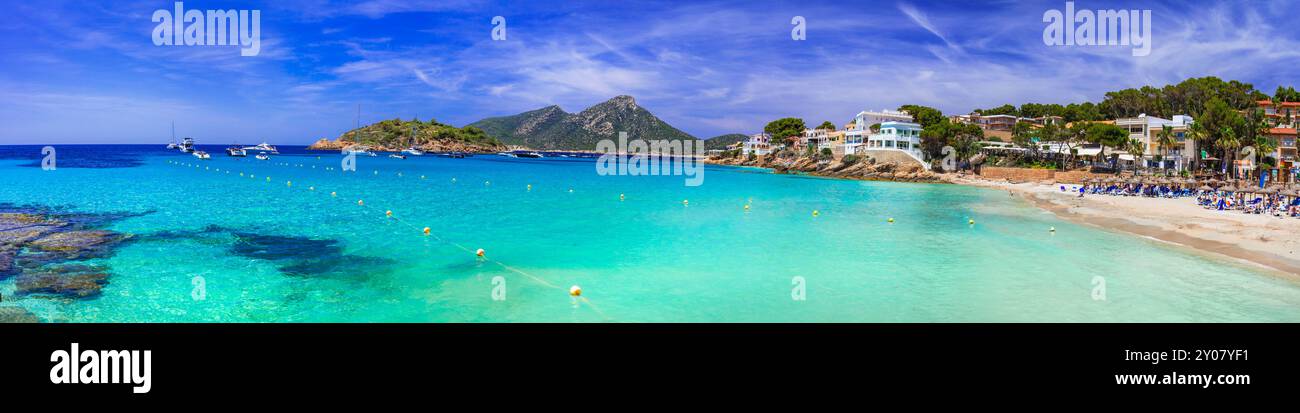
860	129
1146	129
757	144
896	136
865	119
816	138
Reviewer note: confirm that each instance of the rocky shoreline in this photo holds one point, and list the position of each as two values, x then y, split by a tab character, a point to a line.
865	168
445	145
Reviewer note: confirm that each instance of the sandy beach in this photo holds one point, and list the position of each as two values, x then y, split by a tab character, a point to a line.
1263	240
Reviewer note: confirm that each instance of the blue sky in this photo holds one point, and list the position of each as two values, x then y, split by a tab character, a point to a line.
88	71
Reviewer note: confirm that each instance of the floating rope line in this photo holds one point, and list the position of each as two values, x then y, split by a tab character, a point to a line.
425	231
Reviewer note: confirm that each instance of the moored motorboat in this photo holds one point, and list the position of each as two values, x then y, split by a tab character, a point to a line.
262	147
413	151
187	145
528	155
201	155
262	157
357	150
236	151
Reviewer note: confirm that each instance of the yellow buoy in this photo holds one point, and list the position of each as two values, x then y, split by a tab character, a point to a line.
575	291
288	183
487	183
426	230
891	220
530	187
746	208
480	253
621	197
311	188
1053	229
453	179
268	179
570	190
815	213
421	176
970	221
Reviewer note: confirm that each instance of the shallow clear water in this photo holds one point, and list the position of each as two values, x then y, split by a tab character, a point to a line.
270	252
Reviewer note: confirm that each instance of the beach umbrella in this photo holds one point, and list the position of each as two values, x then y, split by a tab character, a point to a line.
1268	191
1204	188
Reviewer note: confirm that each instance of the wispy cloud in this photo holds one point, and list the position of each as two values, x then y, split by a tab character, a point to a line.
708	67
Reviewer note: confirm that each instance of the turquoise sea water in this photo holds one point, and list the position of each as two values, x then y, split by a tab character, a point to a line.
271	252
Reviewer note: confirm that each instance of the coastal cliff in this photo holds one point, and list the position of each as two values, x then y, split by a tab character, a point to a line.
861	168
394	135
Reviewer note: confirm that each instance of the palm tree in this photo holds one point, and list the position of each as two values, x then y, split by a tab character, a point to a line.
1165	139
1196	132
1137	149
1228	142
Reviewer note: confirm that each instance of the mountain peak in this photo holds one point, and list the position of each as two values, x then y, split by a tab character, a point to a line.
550	128
621	102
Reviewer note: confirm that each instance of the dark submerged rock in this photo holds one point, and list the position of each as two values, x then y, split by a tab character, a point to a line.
15	314
304	257
72	281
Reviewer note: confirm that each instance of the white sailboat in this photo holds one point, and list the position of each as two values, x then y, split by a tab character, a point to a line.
173	145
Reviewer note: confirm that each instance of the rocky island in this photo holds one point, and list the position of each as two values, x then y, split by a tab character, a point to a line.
395	135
